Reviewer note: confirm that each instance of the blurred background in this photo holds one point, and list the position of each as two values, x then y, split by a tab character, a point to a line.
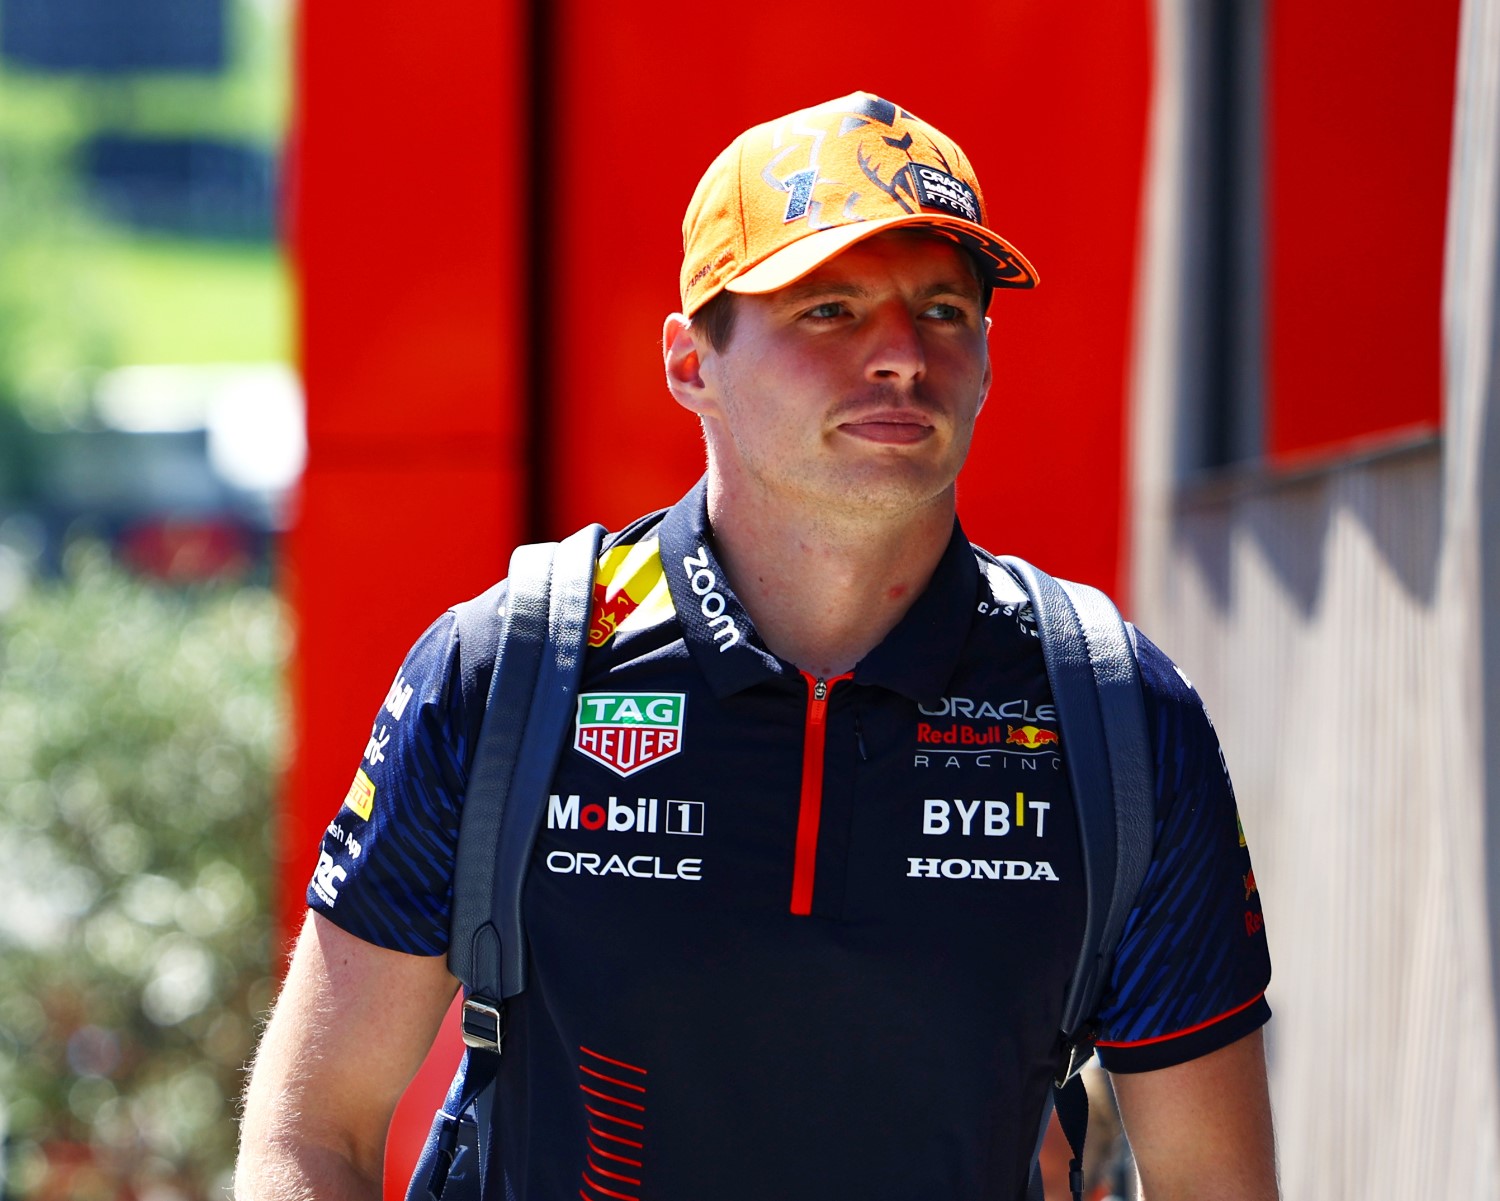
309	314
151	435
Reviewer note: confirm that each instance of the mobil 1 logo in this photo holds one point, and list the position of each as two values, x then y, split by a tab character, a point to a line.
646	816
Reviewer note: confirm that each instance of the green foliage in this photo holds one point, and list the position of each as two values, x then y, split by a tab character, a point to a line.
80	294
54	324
141	734
179	301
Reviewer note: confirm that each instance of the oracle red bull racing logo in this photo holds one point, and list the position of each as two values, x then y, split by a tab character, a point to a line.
628	731
961	731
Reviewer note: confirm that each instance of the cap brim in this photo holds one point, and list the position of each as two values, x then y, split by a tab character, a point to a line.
1002	264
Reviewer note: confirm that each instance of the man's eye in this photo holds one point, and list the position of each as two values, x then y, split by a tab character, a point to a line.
946	312
824	312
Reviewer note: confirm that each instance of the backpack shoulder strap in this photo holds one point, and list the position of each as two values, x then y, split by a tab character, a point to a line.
541	639
502	634
1132	764
479	624
1096	687
1089	654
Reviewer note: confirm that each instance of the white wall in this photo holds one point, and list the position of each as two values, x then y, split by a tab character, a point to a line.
1344	628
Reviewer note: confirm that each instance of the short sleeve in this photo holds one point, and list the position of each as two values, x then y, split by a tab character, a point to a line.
385	868
1192	967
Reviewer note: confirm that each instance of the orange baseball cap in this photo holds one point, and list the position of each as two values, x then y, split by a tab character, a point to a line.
788	195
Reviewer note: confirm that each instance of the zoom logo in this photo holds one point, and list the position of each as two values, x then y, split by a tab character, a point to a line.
705	585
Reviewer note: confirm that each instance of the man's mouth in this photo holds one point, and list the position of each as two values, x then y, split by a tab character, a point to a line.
894	427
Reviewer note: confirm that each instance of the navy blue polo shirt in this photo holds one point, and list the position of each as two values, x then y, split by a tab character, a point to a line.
795	937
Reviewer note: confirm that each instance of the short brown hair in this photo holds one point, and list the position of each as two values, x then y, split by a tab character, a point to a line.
715	320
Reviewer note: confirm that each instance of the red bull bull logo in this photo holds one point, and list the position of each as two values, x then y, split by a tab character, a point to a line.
609	612
1031	737
627	578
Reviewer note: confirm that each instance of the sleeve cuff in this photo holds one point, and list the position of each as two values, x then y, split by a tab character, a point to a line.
1147	1055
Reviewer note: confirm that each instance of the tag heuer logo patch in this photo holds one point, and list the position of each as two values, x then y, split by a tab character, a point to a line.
627	731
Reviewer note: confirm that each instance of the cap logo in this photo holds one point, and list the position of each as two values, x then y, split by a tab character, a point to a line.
939	190
851	182
800	185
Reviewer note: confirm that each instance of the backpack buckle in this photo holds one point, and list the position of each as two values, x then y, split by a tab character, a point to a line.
483	1023
1073	1058
1074	1053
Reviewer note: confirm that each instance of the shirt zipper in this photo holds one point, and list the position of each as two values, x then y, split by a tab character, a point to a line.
810	808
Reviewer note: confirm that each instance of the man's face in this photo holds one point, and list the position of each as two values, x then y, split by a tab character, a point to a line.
854	389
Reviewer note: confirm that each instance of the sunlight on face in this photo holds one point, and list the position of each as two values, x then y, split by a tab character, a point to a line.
854	389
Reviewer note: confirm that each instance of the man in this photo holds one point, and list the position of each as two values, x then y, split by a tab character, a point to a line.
809	889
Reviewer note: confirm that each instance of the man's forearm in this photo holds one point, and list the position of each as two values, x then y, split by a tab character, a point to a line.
323	1087
293	1170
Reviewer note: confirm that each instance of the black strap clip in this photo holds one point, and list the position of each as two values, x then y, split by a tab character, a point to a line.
1074	1053
483	1024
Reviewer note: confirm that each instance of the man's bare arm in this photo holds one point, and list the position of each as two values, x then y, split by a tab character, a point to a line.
1201	1131
349	1031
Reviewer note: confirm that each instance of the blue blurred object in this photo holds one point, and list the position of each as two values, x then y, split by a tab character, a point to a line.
194	186
115	35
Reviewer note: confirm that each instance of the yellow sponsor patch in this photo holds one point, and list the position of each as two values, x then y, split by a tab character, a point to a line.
361	795
629	583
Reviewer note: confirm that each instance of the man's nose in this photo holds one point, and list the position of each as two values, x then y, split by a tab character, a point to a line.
895	352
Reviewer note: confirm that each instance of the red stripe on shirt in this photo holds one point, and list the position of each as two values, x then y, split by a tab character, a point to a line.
1161	1038
609	1117
619	1063
612	1079
594	1092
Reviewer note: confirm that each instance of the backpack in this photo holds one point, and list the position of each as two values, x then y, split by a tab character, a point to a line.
537	647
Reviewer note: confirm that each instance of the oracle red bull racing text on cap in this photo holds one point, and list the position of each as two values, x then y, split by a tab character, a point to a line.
788	195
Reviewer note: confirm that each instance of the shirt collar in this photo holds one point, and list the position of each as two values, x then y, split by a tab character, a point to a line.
916	659
719	635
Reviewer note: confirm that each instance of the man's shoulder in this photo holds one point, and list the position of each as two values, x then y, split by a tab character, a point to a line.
475	620
993	567
1009	593
1162	680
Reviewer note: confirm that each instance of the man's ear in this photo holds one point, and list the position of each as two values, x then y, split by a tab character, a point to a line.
684	363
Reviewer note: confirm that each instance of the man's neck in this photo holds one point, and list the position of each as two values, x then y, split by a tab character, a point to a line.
823	591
